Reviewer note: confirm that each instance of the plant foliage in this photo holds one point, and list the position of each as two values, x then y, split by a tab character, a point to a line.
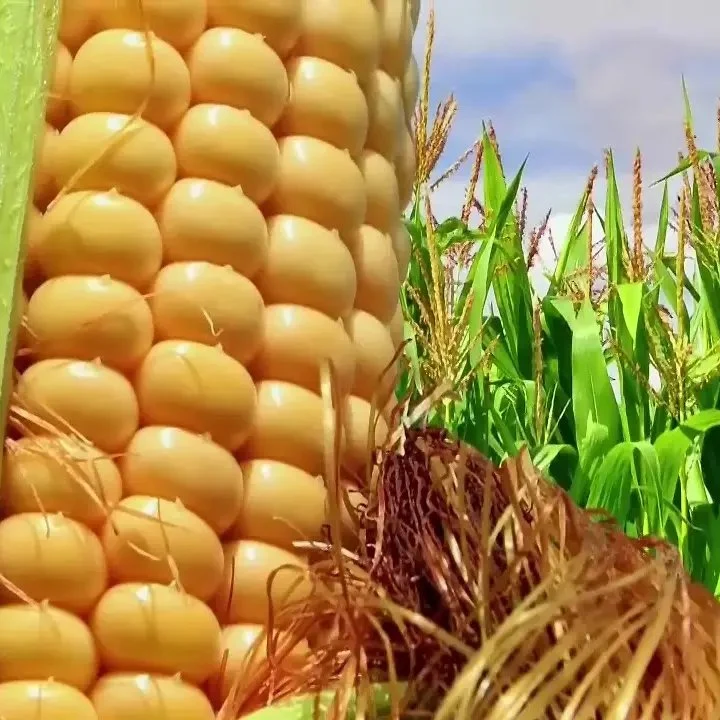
611	378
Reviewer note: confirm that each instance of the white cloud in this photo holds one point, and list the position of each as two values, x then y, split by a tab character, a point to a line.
620	64
477	26
622	101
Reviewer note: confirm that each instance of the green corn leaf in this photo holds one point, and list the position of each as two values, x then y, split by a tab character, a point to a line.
477	286
494	185
615	239
420	255
318	707
454	231
705	368
495	343
682	167
702	421
592	451
696	492
592	393
672	448
689	284
510	447
510	282
475	425
663	223
559	316
703	544
613	482
634	360
483	267
573	255
649	481
546	455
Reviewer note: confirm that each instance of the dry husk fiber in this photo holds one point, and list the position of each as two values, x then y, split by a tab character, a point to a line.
494	597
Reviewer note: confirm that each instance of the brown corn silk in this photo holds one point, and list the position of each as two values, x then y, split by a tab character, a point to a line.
495	597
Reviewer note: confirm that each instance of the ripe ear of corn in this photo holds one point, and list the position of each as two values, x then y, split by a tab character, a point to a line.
216	217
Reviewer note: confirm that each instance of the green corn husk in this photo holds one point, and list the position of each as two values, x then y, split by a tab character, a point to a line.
312	707
28	32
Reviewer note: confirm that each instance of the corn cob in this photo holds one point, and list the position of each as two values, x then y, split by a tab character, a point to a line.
215	212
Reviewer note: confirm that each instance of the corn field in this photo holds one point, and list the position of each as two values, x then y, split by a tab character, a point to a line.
611	379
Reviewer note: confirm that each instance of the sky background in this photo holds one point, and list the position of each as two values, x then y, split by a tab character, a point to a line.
563	79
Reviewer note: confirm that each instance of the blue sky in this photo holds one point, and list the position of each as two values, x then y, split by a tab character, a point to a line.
563	79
